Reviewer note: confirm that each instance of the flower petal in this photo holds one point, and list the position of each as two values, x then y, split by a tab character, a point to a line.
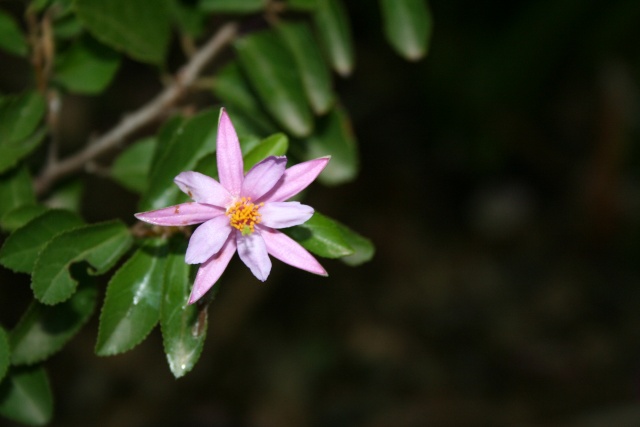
295	179
207	240
253	252
263	176
203	188
210	271
179	215
229	156
284	214
287	250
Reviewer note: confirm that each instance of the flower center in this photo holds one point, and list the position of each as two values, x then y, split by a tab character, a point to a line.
243	215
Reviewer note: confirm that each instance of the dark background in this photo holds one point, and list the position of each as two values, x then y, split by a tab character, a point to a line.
500	183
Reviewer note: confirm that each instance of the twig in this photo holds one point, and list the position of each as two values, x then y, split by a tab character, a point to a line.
140	118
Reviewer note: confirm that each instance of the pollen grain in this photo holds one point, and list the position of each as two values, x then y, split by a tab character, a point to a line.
244	215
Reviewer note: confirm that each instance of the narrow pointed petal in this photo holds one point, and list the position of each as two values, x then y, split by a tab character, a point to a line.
295	179
253	252
263	176
203	188
210	271
179	215
229	156
207	240
287	250
284	214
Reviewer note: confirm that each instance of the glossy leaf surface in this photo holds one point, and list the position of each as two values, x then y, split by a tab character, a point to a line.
234	91
303	5
363	249
66	26
87	67
20	115
334	137
233	6
100	245
13	151
273	74
16	190
188	16
316	79
184	326
19	216
321	236
332	24
131	168
21	249
164	136
407	26
11	38
132	304
275	145
25	396
131	26
190	141
67	195
45	329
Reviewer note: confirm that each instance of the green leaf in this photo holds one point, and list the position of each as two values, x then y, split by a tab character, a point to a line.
101	245
316	78
334	137
19	116
321	236
193	139
11	38
166	133
275	145
15	190
233	6
44	329
233	90
248	143
132	305
4	352
12	151
21	249
19	216
191	20
407	26
67	196
207	166
135	27
38	5
302	5
131	168
67	25
273	74
363	247
86	67
65	6
332	24
25	396
183	326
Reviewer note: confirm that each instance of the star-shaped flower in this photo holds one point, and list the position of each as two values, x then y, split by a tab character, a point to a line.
241	212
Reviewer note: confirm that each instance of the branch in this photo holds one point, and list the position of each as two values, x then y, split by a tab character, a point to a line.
149	112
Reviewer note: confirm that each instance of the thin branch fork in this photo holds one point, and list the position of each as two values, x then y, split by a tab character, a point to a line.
149	112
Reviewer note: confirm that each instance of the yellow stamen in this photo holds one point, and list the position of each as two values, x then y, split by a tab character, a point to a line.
243	215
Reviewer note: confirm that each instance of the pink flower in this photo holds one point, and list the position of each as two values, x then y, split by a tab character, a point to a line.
241	212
